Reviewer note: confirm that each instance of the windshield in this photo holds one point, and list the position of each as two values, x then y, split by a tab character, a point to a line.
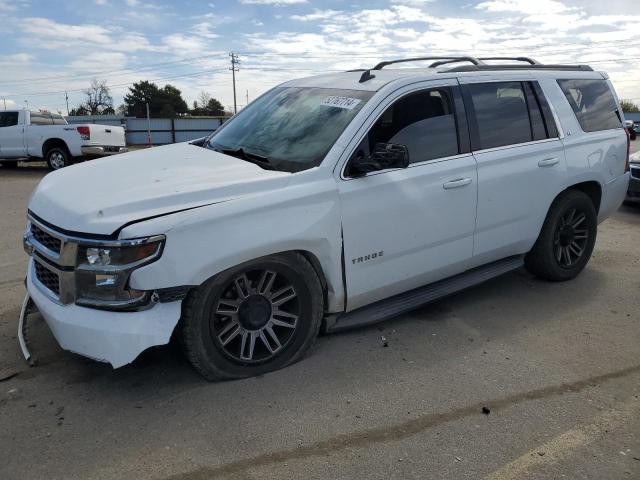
288	128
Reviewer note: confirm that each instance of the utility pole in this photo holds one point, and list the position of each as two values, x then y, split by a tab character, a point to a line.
234	61
5	102
148	126
66	97
247	98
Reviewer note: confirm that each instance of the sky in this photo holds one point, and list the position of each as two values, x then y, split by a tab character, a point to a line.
48	47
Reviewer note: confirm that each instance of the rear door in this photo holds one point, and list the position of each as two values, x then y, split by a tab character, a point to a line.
11	135
404	228
521	163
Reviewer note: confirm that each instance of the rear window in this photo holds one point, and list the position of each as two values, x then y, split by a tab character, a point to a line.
593	103
38	118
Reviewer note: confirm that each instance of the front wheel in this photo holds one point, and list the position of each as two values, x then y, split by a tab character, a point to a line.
255	318
567	238
57	158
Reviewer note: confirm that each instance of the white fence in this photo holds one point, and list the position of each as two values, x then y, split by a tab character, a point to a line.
163	130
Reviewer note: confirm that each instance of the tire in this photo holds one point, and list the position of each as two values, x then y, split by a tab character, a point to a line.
566	240
222	316
57	158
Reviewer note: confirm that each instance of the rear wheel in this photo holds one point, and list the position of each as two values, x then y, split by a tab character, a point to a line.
57	158
255	318
567	238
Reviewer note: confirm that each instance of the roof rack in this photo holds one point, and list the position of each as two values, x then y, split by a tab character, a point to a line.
477	64
442	61
530	61
537	66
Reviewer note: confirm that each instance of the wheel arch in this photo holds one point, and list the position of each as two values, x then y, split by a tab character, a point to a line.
592	189
53	143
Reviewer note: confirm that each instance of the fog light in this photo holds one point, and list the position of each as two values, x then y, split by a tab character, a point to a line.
105	280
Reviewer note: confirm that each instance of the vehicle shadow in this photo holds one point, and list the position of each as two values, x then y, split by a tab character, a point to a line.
501	308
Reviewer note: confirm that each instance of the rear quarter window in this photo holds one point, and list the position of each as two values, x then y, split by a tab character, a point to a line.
593	103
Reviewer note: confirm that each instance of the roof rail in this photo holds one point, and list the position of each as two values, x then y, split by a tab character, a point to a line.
442	59
537	66
530	61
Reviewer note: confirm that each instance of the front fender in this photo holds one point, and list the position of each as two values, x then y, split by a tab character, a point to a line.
205	241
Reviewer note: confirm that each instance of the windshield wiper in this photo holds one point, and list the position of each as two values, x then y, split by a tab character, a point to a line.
254	158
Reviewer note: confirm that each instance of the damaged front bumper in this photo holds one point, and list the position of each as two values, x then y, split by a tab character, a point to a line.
113	337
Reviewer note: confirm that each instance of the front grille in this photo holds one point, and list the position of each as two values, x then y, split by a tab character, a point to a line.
48	278
635	173
49	241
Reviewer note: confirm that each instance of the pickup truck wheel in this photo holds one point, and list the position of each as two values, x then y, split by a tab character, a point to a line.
255	318
567	238
57	158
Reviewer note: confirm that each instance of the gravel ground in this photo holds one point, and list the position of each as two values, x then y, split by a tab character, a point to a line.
556	365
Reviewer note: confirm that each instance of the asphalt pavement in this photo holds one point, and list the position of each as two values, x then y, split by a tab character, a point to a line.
514	379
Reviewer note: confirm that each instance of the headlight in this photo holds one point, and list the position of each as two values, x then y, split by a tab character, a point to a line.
103	271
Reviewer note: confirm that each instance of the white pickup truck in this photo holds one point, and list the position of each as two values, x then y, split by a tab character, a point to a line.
26	135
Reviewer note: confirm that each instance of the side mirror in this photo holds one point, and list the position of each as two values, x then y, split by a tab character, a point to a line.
384	156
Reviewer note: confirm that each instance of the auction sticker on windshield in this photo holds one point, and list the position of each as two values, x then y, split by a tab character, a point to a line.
341	102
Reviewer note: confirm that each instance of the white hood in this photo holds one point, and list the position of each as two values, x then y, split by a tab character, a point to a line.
101	195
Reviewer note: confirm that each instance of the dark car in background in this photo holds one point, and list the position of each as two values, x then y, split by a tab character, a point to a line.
633	194
631	128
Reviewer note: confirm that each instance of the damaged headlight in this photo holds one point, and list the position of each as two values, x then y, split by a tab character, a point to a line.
103	272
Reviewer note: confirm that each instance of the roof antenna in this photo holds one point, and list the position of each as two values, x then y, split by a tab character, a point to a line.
366	75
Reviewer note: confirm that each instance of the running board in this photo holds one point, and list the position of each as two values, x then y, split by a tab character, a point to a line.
404	302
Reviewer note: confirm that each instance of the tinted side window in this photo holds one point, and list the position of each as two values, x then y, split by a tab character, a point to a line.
424	122
501	114
8	119
593	103
38	118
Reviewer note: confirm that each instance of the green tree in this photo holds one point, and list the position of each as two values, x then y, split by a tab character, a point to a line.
163	102
206	105
629	107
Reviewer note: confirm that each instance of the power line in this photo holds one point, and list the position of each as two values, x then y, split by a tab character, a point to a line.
125	71
306	56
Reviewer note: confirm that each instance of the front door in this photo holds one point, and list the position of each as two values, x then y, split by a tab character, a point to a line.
404	228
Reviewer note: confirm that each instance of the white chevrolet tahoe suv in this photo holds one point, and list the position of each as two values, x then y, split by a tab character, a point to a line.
328	203
26	135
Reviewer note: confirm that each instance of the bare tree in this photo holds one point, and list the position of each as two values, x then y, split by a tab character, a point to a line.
203	99
99	100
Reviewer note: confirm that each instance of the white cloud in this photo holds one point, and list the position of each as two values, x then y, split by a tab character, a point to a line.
16	58
272	2
183	45
101	2
7	6
524	6
316	15
203	29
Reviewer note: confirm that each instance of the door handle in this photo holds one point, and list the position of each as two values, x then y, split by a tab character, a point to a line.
547	162
461	182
